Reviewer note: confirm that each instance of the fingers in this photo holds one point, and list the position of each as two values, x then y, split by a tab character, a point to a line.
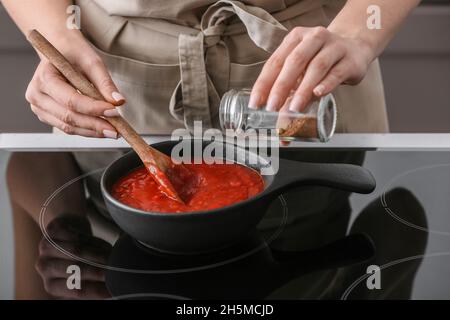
55	86
98	74
294	66
72	123
51	120
89	289
272	68
67	227
57	268
324	59
74	119
334	78
317	69
69	121
58	104
350	70
94	250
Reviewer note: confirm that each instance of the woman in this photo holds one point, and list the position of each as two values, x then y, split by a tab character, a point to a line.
173	60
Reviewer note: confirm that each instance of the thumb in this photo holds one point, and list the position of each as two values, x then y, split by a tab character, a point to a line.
99	76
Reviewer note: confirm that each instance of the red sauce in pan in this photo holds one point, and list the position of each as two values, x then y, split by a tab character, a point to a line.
206	187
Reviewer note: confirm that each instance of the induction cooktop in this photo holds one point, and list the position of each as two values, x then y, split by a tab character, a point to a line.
313	243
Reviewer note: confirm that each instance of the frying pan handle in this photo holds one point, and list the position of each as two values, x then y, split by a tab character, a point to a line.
346	177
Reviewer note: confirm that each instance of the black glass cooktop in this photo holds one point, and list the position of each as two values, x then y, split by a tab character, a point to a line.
313	243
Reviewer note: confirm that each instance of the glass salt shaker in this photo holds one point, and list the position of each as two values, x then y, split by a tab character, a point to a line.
316	123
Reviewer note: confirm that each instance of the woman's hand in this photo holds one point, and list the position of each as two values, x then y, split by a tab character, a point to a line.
58	104
310	62
74	235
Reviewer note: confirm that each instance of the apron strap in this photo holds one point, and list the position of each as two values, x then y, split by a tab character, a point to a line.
193	79
264	30
205	61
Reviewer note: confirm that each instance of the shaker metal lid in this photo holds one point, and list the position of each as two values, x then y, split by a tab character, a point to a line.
326	118
230	111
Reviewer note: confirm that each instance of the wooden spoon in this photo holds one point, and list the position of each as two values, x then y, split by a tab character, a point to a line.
158	164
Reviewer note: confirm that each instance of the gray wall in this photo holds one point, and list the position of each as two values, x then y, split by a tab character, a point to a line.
416	72
6	237
17	62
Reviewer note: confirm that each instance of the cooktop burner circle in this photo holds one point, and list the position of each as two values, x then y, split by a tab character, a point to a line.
416	180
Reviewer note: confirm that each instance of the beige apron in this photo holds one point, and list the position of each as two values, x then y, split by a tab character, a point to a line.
174	59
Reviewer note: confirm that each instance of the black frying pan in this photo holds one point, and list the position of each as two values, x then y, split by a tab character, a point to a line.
197	232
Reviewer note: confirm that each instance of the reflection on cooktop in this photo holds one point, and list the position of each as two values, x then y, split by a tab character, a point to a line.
273	273
313	243
242	276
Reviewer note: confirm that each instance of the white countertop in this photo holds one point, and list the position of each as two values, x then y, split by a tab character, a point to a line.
389	142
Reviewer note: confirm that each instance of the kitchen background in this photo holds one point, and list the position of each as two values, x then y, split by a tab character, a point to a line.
416	72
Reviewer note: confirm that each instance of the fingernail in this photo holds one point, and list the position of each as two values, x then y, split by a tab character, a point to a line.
296	104
110	134
118	97
111	113
254	101
319	90
273	103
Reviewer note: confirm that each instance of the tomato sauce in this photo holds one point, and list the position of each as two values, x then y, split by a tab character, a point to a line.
202	187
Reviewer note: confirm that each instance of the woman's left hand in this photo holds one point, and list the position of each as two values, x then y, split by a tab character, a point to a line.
312	62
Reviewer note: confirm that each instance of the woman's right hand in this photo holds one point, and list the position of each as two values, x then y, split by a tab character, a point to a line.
58	104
